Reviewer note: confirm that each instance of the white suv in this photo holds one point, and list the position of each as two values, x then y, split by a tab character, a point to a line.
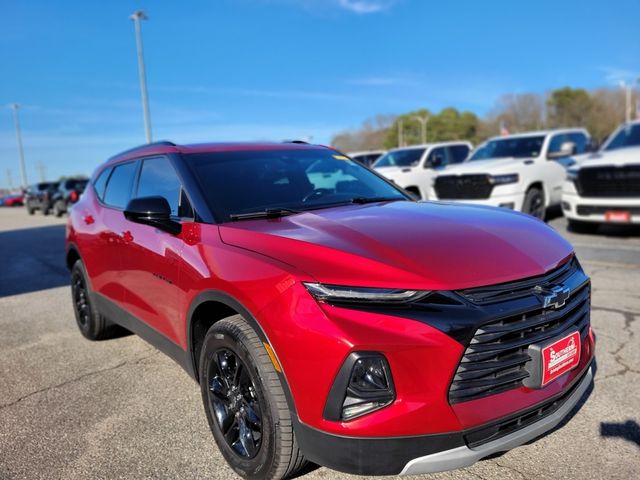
605	187
522	172
366	158
414	168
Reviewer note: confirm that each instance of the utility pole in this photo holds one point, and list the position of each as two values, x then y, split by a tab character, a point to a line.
423	125
9	179
400	127
42	170
16	117
136	17
627	87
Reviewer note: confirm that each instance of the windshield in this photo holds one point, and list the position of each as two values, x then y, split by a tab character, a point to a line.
400	158
251	181
518	147
627	136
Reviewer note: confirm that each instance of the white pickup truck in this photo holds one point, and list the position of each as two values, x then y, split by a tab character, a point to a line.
522	172
605	187
414	168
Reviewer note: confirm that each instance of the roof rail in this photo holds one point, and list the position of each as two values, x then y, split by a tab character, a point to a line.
160	143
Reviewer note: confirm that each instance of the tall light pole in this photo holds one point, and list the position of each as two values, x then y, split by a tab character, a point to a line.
400	128
628	100
16	118
423	125
136	17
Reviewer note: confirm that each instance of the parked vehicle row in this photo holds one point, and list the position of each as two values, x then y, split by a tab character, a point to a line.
53	197
605	187
529	172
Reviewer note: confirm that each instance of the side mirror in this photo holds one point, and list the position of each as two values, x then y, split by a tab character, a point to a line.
154	211
434	161
566	150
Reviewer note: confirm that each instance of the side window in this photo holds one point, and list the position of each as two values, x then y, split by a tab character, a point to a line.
458	153
581	141
119	185
158	177
101	182
437	158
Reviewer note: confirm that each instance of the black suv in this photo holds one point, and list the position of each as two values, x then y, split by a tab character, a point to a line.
67	194
38	197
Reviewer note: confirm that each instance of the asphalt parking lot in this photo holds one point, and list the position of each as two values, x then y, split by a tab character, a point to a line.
72	409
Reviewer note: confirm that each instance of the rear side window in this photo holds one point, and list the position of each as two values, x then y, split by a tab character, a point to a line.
458	153
101	182
437	158
158	177
119	185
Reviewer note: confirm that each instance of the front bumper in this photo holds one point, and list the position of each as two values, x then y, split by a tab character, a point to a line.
512	201
594	210
438	452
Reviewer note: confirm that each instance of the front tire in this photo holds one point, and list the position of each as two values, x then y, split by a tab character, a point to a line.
245	404
534	203
58	208
91	323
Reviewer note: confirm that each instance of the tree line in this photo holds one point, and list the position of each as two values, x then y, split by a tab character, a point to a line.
600	111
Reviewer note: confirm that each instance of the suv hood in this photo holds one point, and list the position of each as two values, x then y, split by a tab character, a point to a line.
422	245
619	157
491	166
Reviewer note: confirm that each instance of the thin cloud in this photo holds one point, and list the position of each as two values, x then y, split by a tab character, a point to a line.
615	75
364	7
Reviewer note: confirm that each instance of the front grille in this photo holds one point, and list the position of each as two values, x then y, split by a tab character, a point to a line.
601	210
463	187
521	420
609	181
495	358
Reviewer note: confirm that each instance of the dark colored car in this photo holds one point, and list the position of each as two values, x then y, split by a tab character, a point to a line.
38	197
326	316
67	194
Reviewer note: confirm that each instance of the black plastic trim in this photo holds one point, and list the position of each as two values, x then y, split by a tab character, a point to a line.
116	314
338	392
369	455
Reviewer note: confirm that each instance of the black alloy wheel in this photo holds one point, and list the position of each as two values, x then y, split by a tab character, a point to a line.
234	400
534	203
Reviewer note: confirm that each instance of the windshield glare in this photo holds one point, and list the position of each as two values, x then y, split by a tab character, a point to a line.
517	147
627	136
251	181
400	158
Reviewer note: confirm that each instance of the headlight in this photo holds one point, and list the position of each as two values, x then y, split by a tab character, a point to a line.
505	179
572	175
328	293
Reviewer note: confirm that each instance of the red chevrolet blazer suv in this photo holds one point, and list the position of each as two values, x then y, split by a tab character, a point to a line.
328	317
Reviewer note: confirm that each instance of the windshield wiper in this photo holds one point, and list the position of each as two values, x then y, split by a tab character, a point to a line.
362	200
266	213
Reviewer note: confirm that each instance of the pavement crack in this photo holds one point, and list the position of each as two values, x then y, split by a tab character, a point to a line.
515	470
629	318
77	379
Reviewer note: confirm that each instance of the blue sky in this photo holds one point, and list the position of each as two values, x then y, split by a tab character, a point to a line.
275	69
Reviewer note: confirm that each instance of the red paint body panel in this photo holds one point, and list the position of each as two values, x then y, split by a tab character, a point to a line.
156	276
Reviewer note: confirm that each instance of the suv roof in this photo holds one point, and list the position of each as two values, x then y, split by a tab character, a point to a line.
536	133
431	144
163	147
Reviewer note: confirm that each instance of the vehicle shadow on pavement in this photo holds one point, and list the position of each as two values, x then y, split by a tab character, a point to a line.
32	259
629	430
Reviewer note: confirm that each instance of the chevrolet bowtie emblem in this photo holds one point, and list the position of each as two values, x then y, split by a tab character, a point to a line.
553	297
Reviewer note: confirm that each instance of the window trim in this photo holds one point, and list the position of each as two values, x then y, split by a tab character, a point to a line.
113	168
134	192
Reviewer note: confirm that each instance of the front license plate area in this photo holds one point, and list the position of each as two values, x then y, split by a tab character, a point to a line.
552	359
617	216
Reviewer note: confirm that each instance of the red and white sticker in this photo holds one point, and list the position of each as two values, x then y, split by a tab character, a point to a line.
617	216
560	357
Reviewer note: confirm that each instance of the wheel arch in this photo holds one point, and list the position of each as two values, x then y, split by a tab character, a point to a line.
211	306
72	256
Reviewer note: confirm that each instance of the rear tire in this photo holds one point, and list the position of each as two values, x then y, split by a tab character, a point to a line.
30	210
91	323
254	404
58	208
534	203
579	226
